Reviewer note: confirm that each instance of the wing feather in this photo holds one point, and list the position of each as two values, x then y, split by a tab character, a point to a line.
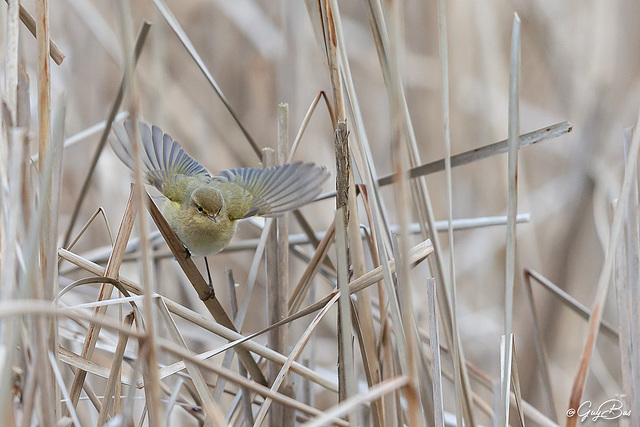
166	165
272	191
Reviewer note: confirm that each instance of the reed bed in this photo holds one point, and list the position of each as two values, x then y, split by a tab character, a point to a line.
441	278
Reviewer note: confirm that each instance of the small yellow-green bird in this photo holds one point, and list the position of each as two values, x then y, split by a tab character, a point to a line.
204	210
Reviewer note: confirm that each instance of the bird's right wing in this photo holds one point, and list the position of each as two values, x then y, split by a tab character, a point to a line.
166	165
274	190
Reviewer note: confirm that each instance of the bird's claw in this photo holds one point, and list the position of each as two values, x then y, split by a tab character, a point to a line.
209	295
187	253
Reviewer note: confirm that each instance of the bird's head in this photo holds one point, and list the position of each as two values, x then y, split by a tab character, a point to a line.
208	202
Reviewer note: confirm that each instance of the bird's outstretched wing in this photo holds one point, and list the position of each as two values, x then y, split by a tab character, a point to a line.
166	165
272	191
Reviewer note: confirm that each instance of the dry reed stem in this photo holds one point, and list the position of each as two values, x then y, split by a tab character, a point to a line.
219	387
512	209
515	381
434	342
346	368
206	294
621	280
572	303
209	406
300	291
484	152
461	414
11	61
295	353
47	407
633	294
30	23
186	42
605	277
305	121
203	322
140	40
111	387
124	231
541	351
235	378
99	211
422	199
376	392
362	312
246	394
63	388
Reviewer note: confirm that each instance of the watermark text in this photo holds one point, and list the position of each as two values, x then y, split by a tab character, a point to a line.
608	410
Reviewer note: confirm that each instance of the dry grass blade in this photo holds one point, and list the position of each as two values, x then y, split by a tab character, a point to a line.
295	353
235	378
506	357
184	39
305	121
623	300
63	388
207	324
140	40
422	200
124	231
376	392
541	351
30	23
462	415
571	302
515	380
345	356
111	388
630	313
300	291
98	211
512	210
206	294
605	277
434	342
484	152
209	406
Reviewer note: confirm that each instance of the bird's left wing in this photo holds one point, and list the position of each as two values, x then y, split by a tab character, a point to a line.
271	191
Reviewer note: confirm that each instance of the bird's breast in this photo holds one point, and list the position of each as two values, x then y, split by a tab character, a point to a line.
200	234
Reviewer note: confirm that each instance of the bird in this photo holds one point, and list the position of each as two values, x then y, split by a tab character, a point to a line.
204	210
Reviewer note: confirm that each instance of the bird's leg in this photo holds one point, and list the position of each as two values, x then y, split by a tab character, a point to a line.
211	293
187	253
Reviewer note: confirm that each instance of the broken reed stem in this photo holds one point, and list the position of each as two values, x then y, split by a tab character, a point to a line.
343	166
280	414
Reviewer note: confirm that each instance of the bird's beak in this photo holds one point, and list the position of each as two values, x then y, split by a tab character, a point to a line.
213	217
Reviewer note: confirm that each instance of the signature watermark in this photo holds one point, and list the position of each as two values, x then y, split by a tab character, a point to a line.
608	410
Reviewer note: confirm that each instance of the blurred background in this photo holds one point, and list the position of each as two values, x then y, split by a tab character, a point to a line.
579	64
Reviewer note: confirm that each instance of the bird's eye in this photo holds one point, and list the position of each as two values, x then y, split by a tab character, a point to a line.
200	209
